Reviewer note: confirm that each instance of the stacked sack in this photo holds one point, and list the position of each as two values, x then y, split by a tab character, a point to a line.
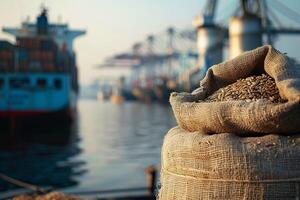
238	132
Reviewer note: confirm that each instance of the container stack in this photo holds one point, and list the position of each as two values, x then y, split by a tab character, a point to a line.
65	61
6	55
238	134
36	54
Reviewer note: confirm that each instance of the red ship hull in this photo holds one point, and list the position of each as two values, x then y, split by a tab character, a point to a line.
31	119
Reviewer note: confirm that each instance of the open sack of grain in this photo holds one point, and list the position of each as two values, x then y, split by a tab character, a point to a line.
238	134
274	107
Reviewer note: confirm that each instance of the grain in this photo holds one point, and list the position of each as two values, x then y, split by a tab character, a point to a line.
249	89
49	196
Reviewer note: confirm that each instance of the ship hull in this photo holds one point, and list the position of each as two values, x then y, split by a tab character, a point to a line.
31	119
36	98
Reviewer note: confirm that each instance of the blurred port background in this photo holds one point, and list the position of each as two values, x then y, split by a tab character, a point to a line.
84	85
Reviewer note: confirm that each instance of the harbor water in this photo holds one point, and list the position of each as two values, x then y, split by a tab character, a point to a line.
108	146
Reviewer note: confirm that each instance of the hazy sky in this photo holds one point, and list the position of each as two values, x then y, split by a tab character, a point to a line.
114	25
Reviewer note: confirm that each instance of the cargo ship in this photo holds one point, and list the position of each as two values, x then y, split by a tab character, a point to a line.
38	73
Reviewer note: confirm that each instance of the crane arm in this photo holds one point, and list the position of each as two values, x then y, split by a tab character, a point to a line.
210	9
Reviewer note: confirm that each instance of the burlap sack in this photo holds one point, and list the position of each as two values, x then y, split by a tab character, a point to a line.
225	166
239	116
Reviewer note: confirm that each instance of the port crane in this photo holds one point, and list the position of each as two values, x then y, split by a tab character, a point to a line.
180	58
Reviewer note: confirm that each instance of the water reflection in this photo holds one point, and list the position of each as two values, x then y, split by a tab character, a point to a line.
41	155
119	141
107	147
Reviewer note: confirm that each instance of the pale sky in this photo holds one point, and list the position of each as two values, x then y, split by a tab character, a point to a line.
114	25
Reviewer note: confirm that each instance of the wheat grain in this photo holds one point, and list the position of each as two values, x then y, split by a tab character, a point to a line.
249	89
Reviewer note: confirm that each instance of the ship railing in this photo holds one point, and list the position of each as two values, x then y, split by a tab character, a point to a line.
30	189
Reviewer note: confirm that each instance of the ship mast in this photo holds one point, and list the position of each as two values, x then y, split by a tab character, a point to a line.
42	22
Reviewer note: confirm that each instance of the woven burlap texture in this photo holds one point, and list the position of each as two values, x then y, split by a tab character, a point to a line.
225	166
241	117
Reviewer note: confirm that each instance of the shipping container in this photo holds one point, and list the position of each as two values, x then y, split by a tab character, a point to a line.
48	56
28	43
6	65
48	45
37	44
23	66
65	61
23	55
35	66
7	60
41	56
49	66
37	54
6	54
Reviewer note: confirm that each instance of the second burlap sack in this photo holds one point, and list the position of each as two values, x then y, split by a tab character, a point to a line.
198	166
241	117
